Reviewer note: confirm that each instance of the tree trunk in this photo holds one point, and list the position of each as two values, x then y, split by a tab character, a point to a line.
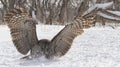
63	12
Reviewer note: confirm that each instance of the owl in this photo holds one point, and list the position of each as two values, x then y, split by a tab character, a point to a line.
23	33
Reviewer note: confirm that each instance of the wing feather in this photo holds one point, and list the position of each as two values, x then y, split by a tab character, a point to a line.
23	30
62	42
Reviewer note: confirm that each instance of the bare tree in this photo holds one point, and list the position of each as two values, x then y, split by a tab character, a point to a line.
56	11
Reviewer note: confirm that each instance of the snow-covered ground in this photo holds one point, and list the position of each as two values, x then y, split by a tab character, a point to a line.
96	47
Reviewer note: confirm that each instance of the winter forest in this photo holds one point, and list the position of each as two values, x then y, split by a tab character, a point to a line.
62	11
75	33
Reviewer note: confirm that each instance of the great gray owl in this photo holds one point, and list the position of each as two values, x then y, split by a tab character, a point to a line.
24	37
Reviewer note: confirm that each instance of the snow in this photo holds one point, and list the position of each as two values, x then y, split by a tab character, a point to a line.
98	6
107	16
114	12
89	10
96	47
1	6
104	5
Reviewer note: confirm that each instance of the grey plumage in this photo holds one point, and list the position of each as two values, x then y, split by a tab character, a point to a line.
23	32
62	42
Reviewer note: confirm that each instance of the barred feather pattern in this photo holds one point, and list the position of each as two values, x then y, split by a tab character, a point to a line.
23	32
62	42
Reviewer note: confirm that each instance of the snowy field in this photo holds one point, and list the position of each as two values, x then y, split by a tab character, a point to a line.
96	47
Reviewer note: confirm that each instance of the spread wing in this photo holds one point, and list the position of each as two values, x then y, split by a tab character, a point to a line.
23	30
62	42
25	38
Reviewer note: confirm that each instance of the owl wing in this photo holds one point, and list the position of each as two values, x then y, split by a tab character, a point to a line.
23	30
26	38
62	42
